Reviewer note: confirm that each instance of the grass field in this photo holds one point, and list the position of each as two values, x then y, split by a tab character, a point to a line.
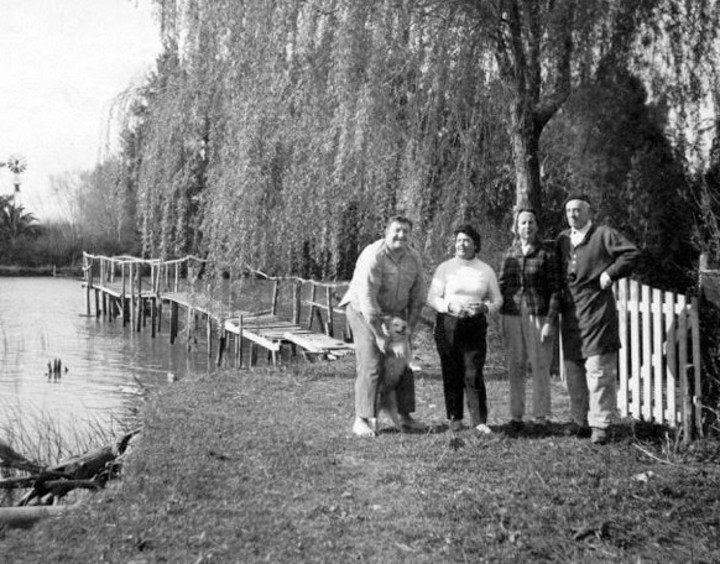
260	466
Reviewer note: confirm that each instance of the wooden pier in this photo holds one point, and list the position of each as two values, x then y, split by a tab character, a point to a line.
138	291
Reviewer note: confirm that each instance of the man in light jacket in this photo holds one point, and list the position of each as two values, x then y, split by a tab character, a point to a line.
387	281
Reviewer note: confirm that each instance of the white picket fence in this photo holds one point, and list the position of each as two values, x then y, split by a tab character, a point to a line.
659	360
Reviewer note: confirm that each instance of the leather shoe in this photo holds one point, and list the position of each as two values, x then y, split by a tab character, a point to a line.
575	429
515	426
482	429
456	425
599	436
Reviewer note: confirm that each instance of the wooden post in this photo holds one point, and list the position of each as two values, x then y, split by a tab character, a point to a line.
683	357
190	328
239	343
159	314
297	288
131	303
658	378
311	312
87	267
153	315
97	302
635	401
252	361
671	359
222	338
329	326
139	316
697	363
208	329
173	321
646	368
122	296
623	373
275	293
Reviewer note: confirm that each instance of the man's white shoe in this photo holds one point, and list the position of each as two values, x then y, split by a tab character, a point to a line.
362	428
483	429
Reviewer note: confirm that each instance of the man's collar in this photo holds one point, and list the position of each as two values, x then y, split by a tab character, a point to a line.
582	231
395	255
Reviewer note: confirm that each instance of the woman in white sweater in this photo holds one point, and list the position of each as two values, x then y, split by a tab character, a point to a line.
463	291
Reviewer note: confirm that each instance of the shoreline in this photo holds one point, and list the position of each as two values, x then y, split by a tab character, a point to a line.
47	270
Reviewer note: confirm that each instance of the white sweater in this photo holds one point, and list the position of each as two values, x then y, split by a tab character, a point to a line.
463	282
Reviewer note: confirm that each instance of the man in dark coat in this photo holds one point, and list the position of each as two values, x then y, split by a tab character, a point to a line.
592	258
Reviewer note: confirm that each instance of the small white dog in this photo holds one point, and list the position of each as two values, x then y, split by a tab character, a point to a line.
396	363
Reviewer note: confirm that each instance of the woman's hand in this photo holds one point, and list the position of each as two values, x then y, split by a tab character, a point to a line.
477	308
463	311
455	309
546	332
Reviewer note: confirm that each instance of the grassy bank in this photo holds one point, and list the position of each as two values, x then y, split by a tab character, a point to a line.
260	466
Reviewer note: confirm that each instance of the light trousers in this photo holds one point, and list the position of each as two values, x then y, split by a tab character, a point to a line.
369	362
523	345
592	385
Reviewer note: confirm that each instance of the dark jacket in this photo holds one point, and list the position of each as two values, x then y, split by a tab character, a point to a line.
589	314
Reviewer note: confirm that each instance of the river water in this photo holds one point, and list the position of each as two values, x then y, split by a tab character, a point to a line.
43	319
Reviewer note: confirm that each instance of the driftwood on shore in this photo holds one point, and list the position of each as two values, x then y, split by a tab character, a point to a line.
48	484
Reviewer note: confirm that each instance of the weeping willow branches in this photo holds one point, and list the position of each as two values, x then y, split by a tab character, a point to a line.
283	133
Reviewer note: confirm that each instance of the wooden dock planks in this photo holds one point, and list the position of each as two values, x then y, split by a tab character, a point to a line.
319	343
271	332
137	292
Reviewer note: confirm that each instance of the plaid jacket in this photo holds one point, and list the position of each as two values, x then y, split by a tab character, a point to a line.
535	277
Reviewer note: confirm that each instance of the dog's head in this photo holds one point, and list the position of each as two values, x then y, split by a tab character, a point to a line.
396	327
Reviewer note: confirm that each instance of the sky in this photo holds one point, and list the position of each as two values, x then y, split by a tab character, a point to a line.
62	63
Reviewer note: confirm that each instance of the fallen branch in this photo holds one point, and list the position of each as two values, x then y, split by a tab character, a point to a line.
46	485
25	517
13	459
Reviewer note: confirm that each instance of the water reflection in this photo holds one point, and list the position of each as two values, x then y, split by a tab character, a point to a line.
42	319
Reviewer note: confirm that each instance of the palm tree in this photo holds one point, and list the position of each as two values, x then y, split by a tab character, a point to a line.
15	222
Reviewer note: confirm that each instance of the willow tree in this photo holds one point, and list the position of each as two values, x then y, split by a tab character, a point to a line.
284	133
322	118
546	49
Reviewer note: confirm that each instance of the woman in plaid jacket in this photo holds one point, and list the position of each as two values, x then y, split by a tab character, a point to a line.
530	284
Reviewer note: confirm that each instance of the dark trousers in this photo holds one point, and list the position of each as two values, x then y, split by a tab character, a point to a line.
462	346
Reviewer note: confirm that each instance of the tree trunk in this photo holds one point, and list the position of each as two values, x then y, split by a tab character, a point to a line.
525	136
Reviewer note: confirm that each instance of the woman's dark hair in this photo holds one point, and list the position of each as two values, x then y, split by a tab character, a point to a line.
471	232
